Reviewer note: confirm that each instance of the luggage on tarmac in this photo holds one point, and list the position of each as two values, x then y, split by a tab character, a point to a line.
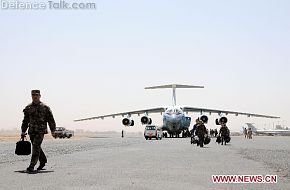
227	139
207	140
23	147
218	139
194	140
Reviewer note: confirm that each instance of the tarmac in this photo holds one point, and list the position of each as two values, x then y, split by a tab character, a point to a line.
134	163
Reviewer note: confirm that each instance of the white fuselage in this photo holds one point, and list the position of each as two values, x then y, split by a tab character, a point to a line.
174	120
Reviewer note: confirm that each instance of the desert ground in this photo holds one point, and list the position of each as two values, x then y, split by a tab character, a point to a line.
112	162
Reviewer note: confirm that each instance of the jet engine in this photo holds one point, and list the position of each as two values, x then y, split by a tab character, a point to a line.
221	120
128	122
146	120
204	119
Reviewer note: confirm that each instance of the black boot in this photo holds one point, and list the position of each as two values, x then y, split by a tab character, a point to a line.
41	166
30	169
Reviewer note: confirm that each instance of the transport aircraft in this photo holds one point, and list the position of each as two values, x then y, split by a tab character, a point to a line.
175	118
270	132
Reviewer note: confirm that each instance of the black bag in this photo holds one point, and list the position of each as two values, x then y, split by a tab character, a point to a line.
207	140
23	147
194	140
227	139
218	139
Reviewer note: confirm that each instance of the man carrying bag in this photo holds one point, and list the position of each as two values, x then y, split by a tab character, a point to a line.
23	147
36	117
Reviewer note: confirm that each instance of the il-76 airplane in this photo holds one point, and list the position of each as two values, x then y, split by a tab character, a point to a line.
175	118
270	132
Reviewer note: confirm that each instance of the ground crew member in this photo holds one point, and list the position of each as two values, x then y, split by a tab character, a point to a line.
195	126
36	117
201	130
224	132
250	133
215	132
245	132
192	132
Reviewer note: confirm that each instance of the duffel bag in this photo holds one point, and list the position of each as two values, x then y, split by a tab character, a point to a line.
206	140
218	139
23	147
227	139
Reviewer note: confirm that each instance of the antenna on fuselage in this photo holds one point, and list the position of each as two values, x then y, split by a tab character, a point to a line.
173	86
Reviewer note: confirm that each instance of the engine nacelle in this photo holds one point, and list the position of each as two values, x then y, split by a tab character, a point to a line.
221	120
204	119
128	122
145	120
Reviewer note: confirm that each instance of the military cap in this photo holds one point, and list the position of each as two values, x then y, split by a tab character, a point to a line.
35	92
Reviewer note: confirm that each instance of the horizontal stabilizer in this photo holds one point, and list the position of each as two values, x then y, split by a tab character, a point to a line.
174	86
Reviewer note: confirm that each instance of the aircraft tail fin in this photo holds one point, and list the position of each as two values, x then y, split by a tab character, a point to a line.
251	125
173	86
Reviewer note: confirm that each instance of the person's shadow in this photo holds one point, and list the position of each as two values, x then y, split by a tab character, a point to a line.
34	172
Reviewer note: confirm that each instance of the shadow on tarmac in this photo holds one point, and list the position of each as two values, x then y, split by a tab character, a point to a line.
34	172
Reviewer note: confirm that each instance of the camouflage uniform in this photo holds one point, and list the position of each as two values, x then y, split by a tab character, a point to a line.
36	117
224	133
201	131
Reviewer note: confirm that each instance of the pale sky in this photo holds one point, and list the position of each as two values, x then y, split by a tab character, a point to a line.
93	62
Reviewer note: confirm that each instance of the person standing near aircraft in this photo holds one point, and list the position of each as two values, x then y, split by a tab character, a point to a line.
245	132
36	117
250	133
201	130
192	135
224	133
195	126
215	133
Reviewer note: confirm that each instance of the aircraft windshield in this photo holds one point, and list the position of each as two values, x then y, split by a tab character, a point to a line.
174	111
151	128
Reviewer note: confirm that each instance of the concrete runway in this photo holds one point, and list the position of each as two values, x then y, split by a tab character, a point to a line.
134	163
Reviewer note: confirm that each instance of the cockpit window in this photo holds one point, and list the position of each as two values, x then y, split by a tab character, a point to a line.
174	111
150	128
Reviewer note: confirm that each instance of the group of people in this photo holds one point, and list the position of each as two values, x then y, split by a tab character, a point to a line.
248	133
213	132
199	133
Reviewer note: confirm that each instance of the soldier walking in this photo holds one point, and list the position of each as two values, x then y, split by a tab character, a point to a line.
36	117
224	133
201	130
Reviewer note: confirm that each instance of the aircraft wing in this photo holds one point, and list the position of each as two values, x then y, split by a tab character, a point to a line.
202	110
138	112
